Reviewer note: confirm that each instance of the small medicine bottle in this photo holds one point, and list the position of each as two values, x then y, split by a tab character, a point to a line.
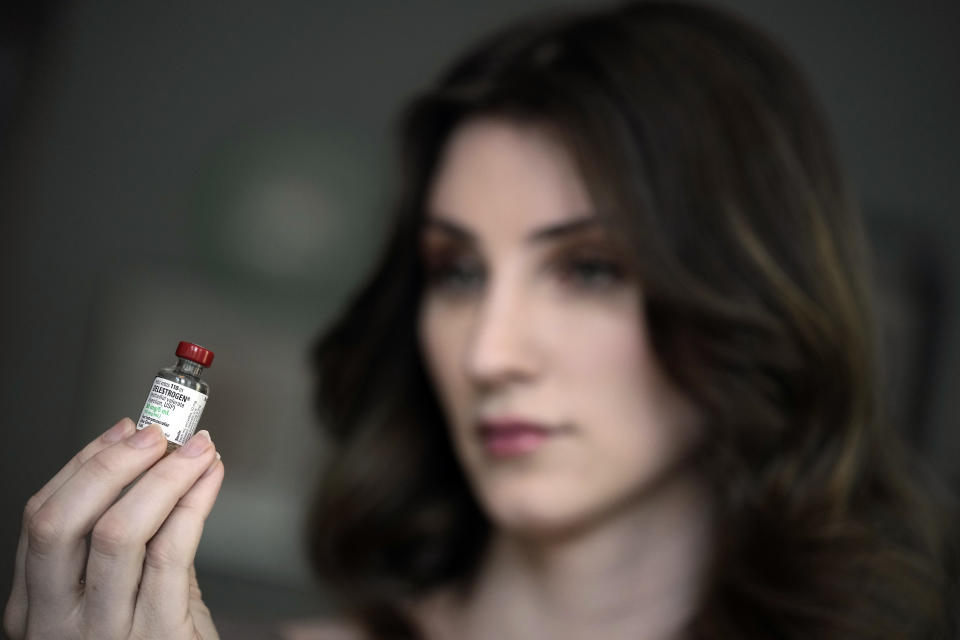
178	395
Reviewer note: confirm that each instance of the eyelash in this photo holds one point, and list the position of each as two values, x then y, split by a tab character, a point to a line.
580	273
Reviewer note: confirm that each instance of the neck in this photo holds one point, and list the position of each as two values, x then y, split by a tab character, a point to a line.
635	572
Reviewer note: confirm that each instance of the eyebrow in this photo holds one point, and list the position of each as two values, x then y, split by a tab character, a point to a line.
551	232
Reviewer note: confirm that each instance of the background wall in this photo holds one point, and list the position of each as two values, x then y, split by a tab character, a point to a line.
216	172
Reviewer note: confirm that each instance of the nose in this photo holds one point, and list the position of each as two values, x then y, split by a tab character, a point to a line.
501	349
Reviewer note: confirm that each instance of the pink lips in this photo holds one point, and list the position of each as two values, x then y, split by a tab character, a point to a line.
512	437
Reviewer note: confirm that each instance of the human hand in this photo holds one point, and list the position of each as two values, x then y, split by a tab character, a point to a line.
90	565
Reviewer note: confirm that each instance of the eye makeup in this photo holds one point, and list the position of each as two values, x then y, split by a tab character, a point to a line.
588	267
586	262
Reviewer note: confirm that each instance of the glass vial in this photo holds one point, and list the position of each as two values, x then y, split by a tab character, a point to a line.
178	395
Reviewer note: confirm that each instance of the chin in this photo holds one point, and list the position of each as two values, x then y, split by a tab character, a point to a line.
535	514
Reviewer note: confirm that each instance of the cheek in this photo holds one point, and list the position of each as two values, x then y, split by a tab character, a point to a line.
607	343
633	423
602	357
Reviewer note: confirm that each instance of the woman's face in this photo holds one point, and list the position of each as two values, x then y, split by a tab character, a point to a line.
534	336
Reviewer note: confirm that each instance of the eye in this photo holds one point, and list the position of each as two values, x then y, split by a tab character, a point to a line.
590	272
455	276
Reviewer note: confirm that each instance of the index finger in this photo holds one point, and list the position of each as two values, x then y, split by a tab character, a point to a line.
114	434
57	532
16	609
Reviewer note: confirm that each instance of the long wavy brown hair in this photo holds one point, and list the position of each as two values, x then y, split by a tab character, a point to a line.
702	145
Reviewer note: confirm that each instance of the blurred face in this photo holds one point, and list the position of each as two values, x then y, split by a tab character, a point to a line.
534	336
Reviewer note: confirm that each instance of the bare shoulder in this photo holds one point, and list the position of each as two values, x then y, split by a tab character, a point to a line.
319	629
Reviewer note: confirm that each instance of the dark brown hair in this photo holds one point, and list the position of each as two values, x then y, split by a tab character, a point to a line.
702	145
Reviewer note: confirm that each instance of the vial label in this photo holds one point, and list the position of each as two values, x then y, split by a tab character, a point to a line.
174	407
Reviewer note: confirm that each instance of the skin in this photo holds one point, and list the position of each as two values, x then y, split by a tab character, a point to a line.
603	530
136	552
605	527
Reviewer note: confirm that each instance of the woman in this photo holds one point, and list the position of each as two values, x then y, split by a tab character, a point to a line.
612	376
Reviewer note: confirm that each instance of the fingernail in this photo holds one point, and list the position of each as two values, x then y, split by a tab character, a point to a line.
212	466
197	444
117	432
146	437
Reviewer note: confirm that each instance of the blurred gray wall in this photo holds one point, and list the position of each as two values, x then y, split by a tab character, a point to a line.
216	172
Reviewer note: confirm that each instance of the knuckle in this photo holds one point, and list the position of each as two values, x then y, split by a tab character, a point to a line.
111	536
44	531
196	594
177	471
84	456
162	553
33	505
173	479
165	475
102	466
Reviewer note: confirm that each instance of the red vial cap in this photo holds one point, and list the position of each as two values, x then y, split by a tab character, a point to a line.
195	352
